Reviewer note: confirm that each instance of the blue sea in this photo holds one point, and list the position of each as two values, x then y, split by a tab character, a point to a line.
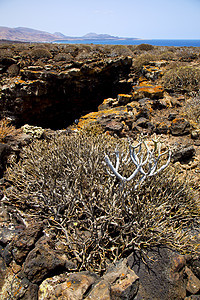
176	43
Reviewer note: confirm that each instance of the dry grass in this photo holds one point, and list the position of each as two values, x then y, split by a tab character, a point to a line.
182	79
65	182
6	129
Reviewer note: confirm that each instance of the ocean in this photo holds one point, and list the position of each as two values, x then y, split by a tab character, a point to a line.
175	43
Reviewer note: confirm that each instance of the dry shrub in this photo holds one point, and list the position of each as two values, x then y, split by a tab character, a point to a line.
120	50
168	55
192	109
65	182
142	60
6	129
144	47
182	79
186	54
40	53
67	57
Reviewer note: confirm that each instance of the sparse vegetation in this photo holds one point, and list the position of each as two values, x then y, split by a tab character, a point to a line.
192	109
6	129
64	181
142	60
145	47
40	53
182	79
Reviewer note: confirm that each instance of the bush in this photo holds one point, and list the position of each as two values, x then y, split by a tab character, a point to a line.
65	182
40	53
145	47
142	60
67	57
192	109
6	129
182	79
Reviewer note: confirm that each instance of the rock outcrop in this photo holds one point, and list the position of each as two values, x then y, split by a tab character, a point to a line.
38	90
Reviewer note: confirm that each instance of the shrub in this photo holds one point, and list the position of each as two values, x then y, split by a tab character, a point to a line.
65	182
192	109
182	79
6	129
63	57
142	60
145	47
168	55
40	53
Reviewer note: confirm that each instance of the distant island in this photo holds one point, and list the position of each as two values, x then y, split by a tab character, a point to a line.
23	34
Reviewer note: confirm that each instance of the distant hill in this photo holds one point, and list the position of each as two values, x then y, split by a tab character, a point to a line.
24	34
93	35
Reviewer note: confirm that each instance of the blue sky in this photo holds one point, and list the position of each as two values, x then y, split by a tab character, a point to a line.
156	19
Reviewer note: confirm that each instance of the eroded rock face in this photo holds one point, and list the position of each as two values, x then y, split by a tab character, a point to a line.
162	276
54	96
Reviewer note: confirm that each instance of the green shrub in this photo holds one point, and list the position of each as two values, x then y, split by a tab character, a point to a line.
64	181
145	47
40	53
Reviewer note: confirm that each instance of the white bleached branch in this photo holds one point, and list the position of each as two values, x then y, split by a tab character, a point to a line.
146	163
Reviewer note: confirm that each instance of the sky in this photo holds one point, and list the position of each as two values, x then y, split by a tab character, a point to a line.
146	19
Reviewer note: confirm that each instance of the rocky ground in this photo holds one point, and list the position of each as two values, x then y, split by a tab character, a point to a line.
123	91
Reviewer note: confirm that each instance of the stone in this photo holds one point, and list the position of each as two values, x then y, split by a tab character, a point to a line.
162	128
44	260
103	117
66	286
101	291
151	72
7	233
193	283
25	241
107	103
179	127
161	275
124	282
114	126
149	91
195	266
195	134
18	287
124	99
183	153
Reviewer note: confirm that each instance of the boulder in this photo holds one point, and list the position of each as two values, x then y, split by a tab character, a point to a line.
66	286
123	281
124	99
193	283
25	241
149	91
183	153
179	126
17	287
161	274
101	290
44	259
